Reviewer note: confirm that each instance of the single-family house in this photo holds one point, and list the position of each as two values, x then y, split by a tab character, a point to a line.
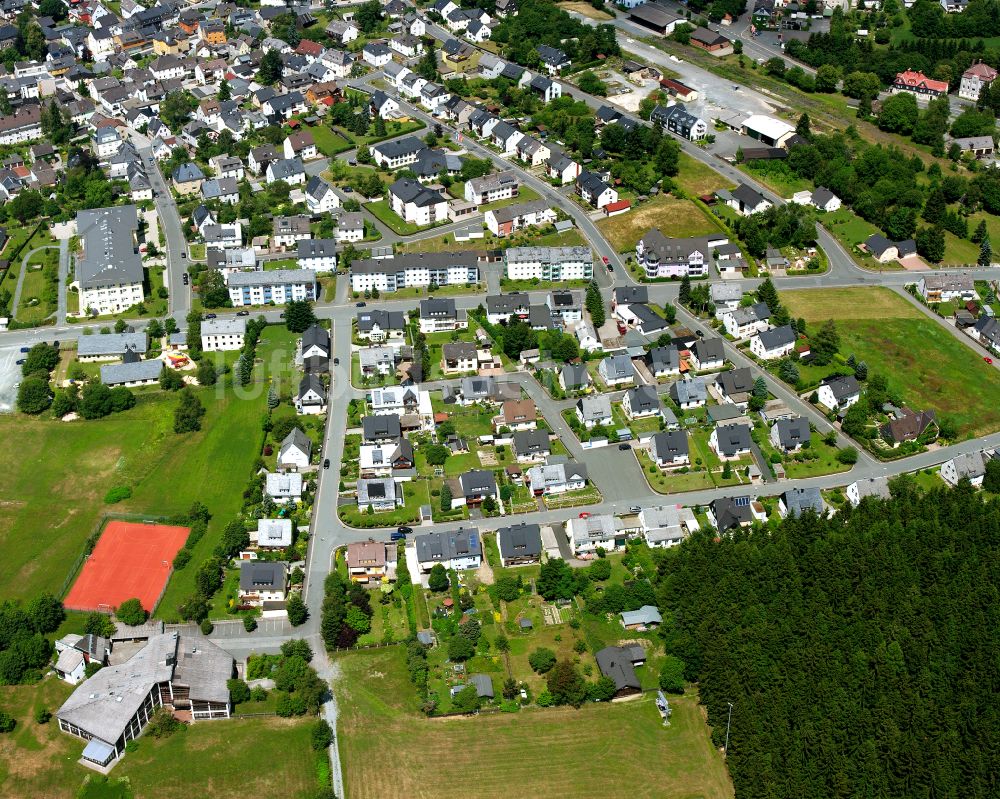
669	449
458	549
775	343
520	544
839	393
730	442
616	370
797	501
295	452
594	410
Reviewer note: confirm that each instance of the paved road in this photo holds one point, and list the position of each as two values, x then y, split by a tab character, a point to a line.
179	301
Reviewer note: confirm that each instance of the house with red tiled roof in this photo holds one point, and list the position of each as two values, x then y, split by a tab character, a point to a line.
918	83
974	80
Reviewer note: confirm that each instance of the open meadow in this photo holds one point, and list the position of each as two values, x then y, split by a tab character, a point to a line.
52	497
922	360
608	750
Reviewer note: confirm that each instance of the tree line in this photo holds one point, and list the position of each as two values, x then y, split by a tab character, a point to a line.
859	651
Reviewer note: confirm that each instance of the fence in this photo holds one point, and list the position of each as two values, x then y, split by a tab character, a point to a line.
381	645
91	542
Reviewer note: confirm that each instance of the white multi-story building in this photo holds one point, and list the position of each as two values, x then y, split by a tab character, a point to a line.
416	269
549	263
109	273
319	255
219	335
278	287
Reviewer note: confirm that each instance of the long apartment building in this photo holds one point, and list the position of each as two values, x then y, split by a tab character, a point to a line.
549	263
279	286
415	269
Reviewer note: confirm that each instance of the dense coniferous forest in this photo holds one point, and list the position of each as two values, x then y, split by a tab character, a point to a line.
861	653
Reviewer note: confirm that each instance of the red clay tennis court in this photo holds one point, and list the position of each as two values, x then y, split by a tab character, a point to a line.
130	560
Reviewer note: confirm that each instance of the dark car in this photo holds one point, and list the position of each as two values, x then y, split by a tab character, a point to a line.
404	530
336	361
624	447
326	463
19	361
210	316
348	190
360	304
25	349
243	313
700	333
184	255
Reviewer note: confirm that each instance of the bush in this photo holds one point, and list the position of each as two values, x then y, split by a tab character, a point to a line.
239	691
460	649
7	722
206	627
542	660
117	495
321	735
249	623
163	724
42	716
91	669
131	612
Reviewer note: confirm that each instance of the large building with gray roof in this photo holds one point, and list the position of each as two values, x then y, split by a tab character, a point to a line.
109	271
111	708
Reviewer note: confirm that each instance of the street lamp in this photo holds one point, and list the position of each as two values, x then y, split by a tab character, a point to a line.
725	748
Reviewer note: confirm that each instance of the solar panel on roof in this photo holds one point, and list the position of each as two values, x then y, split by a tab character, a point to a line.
742	502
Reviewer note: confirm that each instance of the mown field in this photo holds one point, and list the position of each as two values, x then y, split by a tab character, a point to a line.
922	359
676	218
231	759
53	492
614	750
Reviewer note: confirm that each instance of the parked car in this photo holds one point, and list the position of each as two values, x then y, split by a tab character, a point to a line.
210	315
635	509
985	358
585	515
605	259
624	447
326	463
404	530
360	304
19	361
25	349
184	255
336	361
243	313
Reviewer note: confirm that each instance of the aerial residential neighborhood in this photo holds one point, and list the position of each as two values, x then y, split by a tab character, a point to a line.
415	397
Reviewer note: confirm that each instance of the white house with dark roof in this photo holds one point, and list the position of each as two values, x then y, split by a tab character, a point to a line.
382	494
791	434
970	465
769	345
730	442
839	393
458	549
416	203
869	487
520	544
295	452
616	370
109	346
670	449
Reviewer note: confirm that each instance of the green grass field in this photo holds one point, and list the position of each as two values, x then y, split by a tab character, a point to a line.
53	493
922	359
222	759
674	217
549	753
698	179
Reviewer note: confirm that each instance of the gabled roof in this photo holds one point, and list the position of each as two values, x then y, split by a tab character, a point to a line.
519	541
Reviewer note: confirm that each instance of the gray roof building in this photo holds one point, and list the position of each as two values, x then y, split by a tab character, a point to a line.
792	433
520	542
799	500
110	247
618	663
117	374
256	575
461	543
99	345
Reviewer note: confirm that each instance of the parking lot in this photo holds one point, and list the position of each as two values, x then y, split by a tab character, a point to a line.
10	375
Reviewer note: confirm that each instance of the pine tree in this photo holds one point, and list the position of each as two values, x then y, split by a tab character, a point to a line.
803	127
768	294
685	292
595	305
980	232
985	253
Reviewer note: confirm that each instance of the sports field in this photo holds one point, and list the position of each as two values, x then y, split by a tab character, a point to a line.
51	497
614	751
922	359
130	560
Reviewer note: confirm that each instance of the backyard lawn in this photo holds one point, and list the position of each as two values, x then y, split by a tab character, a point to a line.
922	359
676	218
225	759
559	752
